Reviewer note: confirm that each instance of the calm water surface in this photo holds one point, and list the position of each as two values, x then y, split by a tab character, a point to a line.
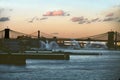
102	67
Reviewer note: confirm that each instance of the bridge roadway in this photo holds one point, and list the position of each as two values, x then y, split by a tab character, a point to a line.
79	39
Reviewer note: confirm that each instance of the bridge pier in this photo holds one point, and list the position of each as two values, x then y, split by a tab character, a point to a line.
115	40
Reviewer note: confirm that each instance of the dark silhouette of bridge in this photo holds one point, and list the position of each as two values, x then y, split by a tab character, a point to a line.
12	34
111	38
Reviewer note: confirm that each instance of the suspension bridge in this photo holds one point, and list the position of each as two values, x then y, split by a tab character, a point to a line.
112	38
12	34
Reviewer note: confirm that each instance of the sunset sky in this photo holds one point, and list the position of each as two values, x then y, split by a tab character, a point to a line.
63	18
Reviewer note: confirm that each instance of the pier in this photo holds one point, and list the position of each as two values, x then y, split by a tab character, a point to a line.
20	59
48	56
12	59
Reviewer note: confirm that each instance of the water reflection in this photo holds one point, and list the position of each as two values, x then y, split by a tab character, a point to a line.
105	67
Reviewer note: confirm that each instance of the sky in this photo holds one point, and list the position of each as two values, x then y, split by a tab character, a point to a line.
62	18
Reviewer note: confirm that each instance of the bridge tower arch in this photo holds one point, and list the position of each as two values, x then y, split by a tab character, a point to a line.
7	33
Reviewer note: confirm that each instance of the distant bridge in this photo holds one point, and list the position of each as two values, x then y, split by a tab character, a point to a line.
112	38
12	34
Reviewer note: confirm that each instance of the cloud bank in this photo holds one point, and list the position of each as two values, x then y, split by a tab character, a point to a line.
108	17
56	13
3	19
112	15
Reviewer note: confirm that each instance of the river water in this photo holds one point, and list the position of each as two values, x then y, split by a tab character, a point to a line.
100	67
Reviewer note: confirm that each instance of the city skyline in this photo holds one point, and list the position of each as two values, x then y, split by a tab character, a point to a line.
66	18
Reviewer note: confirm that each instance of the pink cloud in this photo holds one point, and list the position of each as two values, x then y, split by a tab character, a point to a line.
49	13
54	13
110	15
58	13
